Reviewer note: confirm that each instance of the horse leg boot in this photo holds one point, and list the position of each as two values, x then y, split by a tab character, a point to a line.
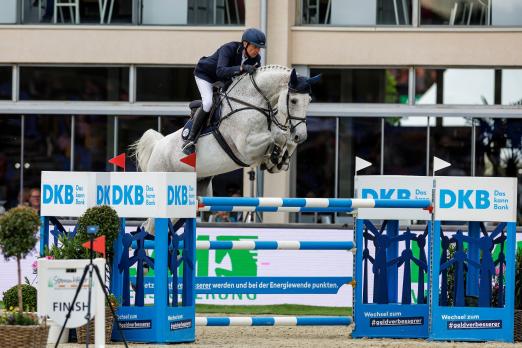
200	117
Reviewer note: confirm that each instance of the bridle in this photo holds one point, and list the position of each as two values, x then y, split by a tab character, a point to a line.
289	116
269	112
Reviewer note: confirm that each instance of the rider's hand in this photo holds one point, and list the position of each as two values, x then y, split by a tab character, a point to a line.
249	69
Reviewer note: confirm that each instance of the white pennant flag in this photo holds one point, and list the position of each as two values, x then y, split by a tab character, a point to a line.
439	164
360	164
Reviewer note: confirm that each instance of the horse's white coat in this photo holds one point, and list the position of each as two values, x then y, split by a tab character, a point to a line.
246	130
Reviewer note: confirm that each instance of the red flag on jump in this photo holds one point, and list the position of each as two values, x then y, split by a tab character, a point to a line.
118	161
190	160
98	245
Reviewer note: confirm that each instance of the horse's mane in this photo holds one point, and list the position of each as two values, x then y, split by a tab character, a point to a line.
273	67
268	68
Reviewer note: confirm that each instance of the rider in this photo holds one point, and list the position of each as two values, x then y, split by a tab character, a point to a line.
229	60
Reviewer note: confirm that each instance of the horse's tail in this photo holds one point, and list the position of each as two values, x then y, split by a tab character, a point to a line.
142	149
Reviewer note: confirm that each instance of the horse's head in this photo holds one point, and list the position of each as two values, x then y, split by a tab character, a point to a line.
293	104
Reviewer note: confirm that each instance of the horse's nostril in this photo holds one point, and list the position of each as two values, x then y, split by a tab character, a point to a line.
296	138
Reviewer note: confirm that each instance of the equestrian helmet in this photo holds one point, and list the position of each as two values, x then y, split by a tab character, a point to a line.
254	36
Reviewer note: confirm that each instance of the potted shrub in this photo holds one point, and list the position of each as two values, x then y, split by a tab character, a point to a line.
107	220
10	297
18	229
518	296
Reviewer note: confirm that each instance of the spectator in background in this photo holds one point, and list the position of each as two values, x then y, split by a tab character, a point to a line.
225	216
34	199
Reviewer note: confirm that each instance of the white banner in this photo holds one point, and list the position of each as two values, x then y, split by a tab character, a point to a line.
68	193
393	187
276	263
161	195
476	199
57	286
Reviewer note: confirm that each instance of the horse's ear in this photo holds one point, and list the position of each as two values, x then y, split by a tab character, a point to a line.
314	79
293	78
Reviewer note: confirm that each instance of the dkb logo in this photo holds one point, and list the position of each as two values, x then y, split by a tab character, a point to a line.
119	194
468	199
178	195
386	193
57	194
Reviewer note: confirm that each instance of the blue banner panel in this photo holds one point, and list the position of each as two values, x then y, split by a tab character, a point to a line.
261	285
141	324
380	309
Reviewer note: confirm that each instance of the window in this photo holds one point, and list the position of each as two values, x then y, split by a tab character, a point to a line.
499	150
94	142
89	11
130	129
471	12
165	84
6	84
74	83
455	86
170	124
361	85
511	93
358	136
498	147
450	140
316	178
356	12
10	139
216	12
47	146
405	145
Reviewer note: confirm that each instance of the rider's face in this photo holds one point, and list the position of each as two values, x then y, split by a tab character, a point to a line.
252	50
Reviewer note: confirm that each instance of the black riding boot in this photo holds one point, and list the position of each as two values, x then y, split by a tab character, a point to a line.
200	118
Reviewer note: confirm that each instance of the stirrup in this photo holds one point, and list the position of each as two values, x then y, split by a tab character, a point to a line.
189	147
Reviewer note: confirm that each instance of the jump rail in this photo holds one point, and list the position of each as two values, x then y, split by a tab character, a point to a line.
273	321
215	208
346	203
264	245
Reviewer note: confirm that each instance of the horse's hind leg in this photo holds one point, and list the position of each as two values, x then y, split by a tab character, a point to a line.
205	186
148	225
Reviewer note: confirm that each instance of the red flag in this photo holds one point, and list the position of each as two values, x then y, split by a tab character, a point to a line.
98	245
119	161
190	160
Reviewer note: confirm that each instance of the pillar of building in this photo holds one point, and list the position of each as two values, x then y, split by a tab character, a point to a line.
280	17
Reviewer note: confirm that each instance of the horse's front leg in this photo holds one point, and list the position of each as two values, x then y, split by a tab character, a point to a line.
256	144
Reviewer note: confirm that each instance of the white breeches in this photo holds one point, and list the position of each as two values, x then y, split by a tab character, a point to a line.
205	90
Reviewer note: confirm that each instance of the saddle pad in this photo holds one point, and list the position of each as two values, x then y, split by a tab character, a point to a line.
209	127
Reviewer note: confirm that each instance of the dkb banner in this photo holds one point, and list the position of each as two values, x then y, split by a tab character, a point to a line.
149	194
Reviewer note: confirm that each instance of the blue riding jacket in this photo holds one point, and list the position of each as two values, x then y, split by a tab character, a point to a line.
224	63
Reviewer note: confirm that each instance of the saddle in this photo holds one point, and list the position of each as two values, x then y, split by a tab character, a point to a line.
214	116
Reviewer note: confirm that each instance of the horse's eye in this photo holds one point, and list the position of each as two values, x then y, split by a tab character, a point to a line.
294	101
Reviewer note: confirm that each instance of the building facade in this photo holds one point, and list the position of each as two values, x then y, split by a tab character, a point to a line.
402	81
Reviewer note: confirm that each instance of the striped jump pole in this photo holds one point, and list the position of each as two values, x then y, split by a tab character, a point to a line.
352	203
216	208
273	321
264	245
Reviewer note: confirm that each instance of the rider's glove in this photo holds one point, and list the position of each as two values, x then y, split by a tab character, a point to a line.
249	69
